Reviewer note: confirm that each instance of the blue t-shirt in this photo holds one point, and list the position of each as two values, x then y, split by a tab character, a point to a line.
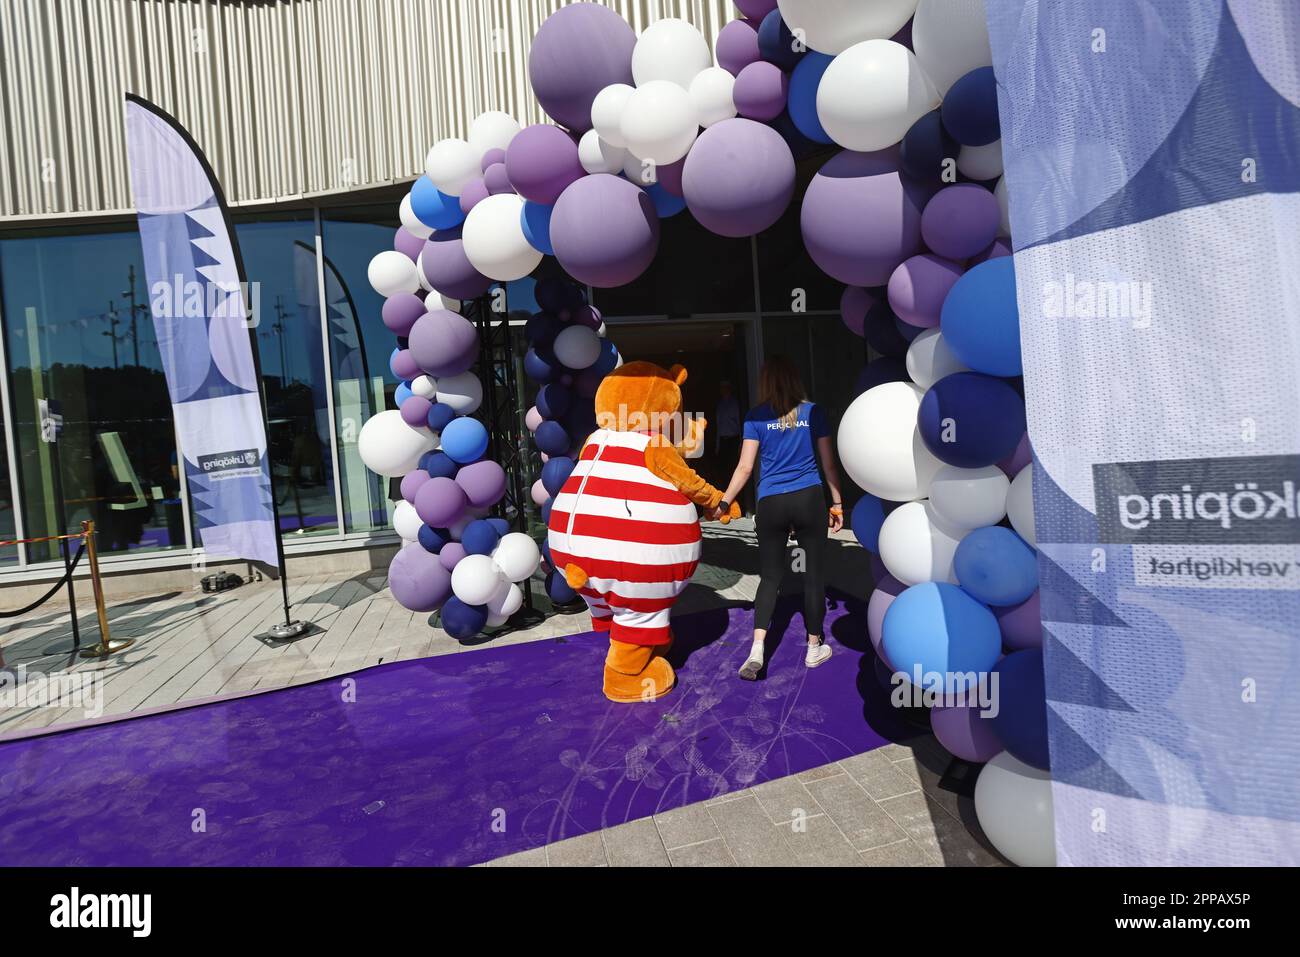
787	457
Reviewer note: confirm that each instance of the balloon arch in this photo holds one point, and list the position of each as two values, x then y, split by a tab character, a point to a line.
909	212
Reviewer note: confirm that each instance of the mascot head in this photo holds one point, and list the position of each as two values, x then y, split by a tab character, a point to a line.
641	397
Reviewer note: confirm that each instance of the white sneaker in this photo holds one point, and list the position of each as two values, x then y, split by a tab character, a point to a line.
816	655
753	664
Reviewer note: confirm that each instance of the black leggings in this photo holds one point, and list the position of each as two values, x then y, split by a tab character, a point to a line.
804	511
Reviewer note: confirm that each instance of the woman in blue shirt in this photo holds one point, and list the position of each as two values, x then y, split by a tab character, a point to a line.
788	436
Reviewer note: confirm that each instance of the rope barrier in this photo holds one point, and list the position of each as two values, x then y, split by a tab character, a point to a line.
54	589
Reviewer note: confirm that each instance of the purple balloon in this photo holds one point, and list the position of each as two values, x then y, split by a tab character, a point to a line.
473	193
450	554
855	303
1018	459
761	90
493	156
440	502
401	311
737	46
484	483
670	176
443	343
588	316
965	732
497	179
418	580
415	411
403	365
739	177
605	230
1021	625
960	221
887	589
757	9
878	570
861	217
407	243
411	483
918	287
587	382
541	161
995	250
579	50
448	269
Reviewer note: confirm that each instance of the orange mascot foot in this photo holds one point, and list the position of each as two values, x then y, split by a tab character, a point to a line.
637	673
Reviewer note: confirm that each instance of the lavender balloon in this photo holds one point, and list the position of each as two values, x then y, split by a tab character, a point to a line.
418	580
960	221
541	161
887	589
964	732
739	177
605	230
1018	459
443	343
497	179
450	555
918	287
415	411
484	483
855	303
411	483
401	311
756	9
473	193
403	365
440	502
448	269
492	157
737	46
407	243
1021	625
580	49
761	90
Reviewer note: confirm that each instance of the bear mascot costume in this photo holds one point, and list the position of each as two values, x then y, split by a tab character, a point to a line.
624	529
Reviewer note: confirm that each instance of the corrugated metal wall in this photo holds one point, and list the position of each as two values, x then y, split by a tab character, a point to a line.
288	98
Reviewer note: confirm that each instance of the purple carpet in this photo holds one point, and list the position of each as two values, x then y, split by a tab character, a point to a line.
448	760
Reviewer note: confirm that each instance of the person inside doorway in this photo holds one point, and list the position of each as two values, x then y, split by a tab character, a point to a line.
787	435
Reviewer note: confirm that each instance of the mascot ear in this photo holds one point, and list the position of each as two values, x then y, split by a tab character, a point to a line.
678	374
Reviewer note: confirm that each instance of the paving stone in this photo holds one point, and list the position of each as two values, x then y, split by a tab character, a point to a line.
903	853
880	777
825	771
861	819
533	857
585	850
785	797
686	825
936	831
635	844
712	853
749	834
818	842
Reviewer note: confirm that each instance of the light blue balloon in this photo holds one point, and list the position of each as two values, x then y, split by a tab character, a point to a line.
804	81
943	631
980	320
464	440
535	219
996	567
434	208
402	393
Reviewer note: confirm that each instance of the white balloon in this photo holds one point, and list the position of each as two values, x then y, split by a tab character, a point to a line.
406	523
464	392
659	122
1020	504
451	164
598	156
475	579
436	300
981	162
391	273
424	386
412	222
1013	803
607	113
917	545
872	93
712	96
929	359
509	598
390	447
950	38
493	236
832	26
1000	192
492	130
642	172
577	347
880	445
671	50
970	498
517	555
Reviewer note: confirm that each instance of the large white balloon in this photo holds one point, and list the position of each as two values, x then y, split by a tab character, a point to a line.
881	447
832	26
475	579
1020	504
951	38
871	94
670	50
981	162
517	555
970	498
929	359
713	96
494	239
391	273
390	447
918	546
659	122
406	523
577	346
599	156
412	222
509	598
464	392
607	113
451	164
436	300
1013	803
492	130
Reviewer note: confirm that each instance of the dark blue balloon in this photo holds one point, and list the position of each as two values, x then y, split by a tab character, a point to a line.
776	44
435	209
800	146
403	342
906	330
924	148
440	415
666	203
549	293
535	218
880	329
463	621
553	401
479	537
558	590
439	464
970	108
580	420
878	372
996	566
555	473
500	524
433	538
542	327
553	440
1021	721
971	420
572	297
607	360
980	319
540	365
868	516
804	81
546	512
